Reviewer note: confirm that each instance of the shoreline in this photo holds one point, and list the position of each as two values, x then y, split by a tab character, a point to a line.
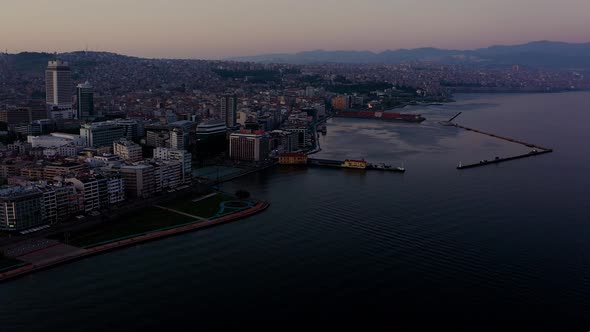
21	270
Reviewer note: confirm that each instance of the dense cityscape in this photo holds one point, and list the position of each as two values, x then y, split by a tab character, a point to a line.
133	128
414	165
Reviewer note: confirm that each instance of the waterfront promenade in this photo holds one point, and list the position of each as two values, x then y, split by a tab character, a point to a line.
55	253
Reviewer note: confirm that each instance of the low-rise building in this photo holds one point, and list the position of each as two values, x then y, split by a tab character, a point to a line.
127	150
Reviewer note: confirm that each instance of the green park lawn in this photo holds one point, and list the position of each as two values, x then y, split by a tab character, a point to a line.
133	224
147	220
206	208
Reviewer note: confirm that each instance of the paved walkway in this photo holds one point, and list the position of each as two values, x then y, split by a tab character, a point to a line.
204	197
51	254
67	253
181	213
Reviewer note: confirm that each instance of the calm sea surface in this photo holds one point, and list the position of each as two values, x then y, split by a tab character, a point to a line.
497	243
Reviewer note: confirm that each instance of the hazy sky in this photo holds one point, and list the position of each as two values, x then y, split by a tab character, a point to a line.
219	28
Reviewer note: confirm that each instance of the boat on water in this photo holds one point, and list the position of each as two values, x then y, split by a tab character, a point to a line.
386	167
352	163
382	115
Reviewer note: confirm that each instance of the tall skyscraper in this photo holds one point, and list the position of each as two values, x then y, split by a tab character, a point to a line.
85	98
58	89
229	107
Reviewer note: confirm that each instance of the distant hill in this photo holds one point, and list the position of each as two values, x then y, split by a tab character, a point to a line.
538	54
37	62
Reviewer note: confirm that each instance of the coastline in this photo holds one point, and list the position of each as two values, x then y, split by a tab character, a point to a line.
22	270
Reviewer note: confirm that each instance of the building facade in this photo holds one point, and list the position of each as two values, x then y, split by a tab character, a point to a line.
85	100
248	146
228	108
184	157
127	150
20	208
58	89
139	180
101	133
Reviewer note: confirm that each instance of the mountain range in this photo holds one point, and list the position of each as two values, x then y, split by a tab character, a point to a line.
547	54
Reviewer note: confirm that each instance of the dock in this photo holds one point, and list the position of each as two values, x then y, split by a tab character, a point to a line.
536	149
341	164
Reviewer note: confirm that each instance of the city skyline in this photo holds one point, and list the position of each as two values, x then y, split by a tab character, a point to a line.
188	29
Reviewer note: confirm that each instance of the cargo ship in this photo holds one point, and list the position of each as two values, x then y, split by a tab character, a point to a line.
382	115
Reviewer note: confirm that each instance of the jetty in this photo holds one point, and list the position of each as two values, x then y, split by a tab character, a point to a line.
354	164
535	149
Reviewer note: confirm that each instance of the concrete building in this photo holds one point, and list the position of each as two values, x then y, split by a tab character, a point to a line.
115	190
167	175
342	103
20	208
139	180
19	147
56	140
178	139
67	169
35	128
184	157
60	201
88	187
303	136
248	146
211	138
99	191
22	115
127	150
101	133
132	129
157	139
229	107
85	101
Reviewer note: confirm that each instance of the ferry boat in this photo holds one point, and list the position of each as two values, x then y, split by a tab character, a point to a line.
351	163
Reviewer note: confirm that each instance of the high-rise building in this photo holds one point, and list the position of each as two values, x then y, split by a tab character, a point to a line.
248	146
58	89
85	99
229	107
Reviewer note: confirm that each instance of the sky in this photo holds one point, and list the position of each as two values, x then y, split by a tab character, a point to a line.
216	29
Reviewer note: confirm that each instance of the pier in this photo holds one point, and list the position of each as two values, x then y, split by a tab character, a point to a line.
536	149
361	165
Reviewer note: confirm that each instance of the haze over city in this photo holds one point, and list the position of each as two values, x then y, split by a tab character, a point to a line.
210	163
225	28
